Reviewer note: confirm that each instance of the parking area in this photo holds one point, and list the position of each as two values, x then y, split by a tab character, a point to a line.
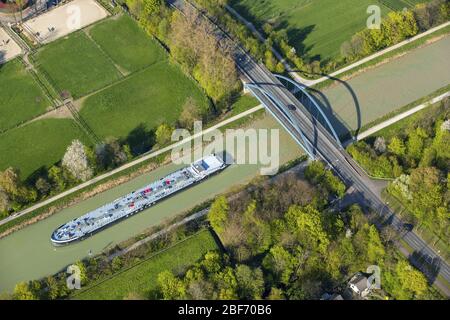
65	19
9	49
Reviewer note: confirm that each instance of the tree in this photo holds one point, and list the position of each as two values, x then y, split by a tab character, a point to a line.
212	262
163	134
280	263
75	160
218	214
250	282
194	44
427	192
52	288
22	291
191	113
5	202
405	282
170	286
56	175
10	182
116	264
306	223
334	184
276	294
227	284
380	145
397	147
375	249
415	143
83	272
152	7
42	186
110	154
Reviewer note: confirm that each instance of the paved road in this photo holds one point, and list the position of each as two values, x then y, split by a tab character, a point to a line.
332	153
299	122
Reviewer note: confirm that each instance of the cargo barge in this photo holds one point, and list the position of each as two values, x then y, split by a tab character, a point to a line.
136	201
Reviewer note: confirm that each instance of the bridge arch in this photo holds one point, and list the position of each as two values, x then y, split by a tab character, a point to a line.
305	145
302	88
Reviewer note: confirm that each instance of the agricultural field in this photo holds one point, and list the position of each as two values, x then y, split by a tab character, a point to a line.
37	144
141	279
118	76
24	98
76	64
316	28
146	99
126	43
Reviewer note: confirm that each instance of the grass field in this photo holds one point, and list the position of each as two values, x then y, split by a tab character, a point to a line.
126	43
76	64
23	98
141	278
40	143
316	28
147	98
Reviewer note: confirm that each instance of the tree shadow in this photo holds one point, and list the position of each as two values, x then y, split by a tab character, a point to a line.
140	140
2	58
41	172
296	36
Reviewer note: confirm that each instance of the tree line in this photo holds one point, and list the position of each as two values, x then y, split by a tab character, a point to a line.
282	241
417	156
192	42
396	27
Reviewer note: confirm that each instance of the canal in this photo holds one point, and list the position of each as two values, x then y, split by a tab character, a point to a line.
28	254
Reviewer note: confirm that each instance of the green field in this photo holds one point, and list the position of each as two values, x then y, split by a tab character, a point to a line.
316	28
23	99
91	61
37	144
147	98
126	43
76	64
141	278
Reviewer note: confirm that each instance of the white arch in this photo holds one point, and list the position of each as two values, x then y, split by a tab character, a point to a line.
302	88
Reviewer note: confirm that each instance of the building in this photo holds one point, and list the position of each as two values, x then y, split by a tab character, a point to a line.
359	285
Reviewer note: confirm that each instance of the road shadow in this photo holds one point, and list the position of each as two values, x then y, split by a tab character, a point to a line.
429	266
2	58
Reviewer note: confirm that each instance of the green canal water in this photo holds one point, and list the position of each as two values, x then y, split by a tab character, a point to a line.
28	254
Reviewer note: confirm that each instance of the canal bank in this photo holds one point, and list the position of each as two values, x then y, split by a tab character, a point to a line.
28	254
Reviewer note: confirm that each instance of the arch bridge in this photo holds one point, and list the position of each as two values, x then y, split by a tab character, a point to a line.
286	111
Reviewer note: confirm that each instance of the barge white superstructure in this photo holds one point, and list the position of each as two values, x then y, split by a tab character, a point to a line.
136	201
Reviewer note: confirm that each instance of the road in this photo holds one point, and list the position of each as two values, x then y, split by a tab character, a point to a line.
298	122
334	155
